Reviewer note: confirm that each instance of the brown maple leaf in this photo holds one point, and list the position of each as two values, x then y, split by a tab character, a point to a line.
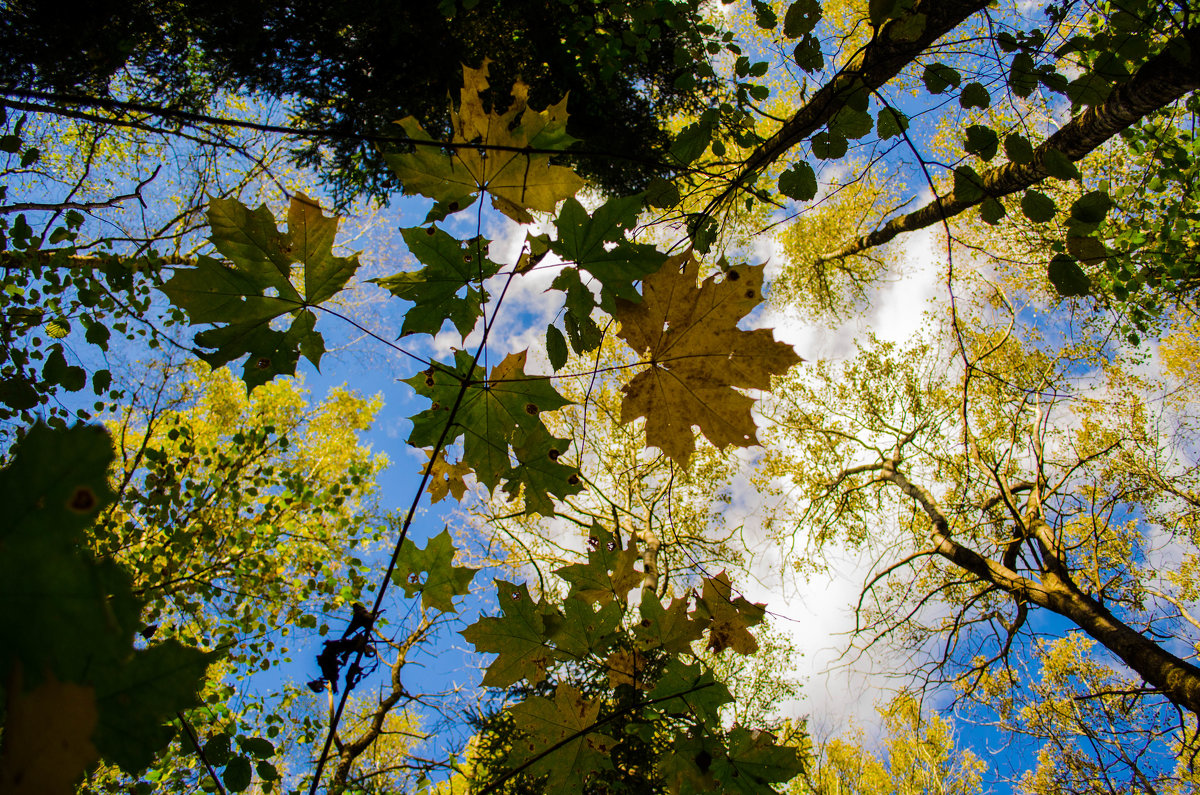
697	355
729	618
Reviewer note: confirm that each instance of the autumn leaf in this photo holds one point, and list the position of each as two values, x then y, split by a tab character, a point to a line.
697	356
245	295
669	628
517	181
729	618
560	745
446	478
609	573
627	668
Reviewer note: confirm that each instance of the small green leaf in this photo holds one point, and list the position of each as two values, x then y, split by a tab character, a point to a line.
236	774
974	95
1018	149
1021	77
938	77
799	182
1092	207
1037	206
1067	277
764	15
801	17
890	123
982	141
851	123
556	347
1059	165
828	145
807	54
257	747
991	210
691	142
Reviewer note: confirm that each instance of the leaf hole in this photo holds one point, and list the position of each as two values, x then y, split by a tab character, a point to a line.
83	500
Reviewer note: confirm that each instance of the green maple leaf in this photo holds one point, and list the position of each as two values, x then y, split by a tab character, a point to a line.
67	618
490	413
587	241
609	573
451	267
686	688
518	637
671	628
583	631
753	761
258	285
539	474
560	744
517	180
432	573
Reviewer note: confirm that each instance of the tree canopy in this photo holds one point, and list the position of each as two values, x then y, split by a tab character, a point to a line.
1020	473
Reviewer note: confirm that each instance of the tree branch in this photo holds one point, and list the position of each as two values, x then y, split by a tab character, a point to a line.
1161	81
878	62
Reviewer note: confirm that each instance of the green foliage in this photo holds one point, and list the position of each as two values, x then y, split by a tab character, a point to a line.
621	684
68	617
431	572
243	296
451	267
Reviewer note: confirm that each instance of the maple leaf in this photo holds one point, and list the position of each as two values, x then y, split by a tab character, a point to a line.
753	761
431	571
626	668
539	472
697	355
47	736
584	631
490	414
609	572
560	744
451	266
670	628
446	478
728	617
684	688
517	181
243	296
518	637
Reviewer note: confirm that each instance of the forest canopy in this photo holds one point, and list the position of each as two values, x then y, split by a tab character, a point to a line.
634	273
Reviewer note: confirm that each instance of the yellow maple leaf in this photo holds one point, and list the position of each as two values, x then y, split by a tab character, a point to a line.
498	161
627	668
446	478
697	355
